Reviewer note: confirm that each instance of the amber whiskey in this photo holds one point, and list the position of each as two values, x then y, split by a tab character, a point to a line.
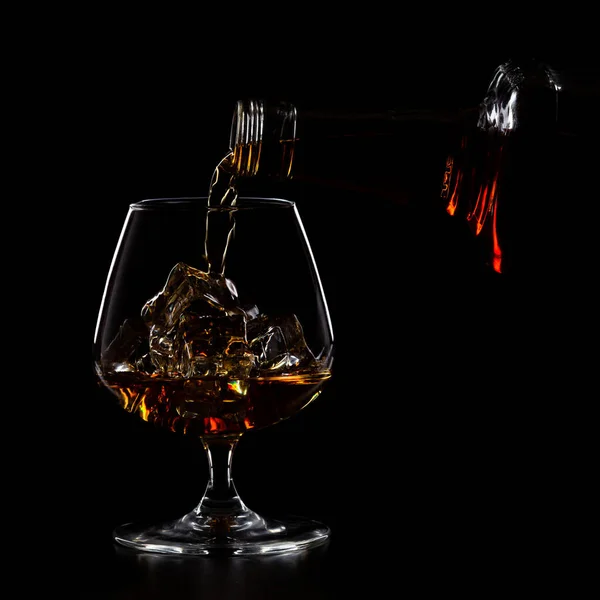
215	406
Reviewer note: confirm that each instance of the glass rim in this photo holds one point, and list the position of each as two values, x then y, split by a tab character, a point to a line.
195	202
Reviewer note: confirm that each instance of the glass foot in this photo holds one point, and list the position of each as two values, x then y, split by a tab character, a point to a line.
196	534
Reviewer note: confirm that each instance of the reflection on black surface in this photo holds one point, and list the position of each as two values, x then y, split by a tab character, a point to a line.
150	576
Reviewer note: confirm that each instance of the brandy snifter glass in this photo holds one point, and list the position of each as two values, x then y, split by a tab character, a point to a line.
214	323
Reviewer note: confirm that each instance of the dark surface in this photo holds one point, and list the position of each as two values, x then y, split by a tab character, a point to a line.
443	454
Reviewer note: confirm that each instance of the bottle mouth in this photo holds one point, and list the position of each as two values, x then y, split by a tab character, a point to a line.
245	139
262	138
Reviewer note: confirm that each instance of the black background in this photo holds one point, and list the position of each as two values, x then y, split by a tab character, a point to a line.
442	455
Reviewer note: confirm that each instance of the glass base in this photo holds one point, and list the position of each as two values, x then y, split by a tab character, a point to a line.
196	534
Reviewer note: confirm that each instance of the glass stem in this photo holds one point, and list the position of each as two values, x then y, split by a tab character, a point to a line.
220	497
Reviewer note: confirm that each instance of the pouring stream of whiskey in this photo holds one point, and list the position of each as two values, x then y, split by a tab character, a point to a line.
220	224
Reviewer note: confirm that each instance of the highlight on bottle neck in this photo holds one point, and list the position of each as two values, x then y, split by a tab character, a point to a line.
262	138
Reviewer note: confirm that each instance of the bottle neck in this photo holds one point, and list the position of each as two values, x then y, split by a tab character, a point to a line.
262	139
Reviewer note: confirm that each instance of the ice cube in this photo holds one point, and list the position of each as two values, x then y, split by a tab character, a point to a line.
202	296
195	327
278	344
186	285
212	346
251	311
127	347
162	349
145	365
